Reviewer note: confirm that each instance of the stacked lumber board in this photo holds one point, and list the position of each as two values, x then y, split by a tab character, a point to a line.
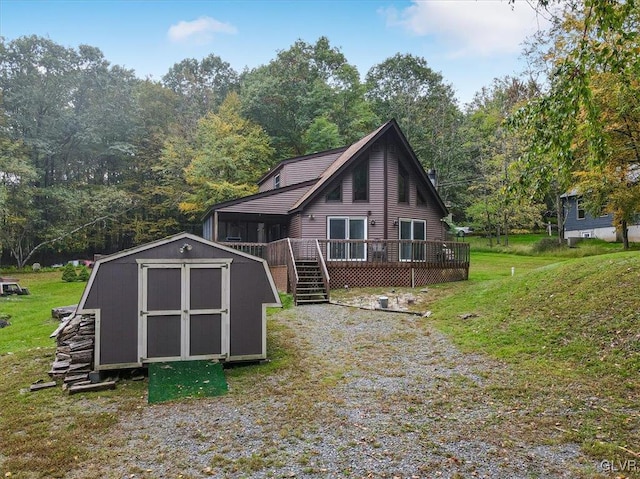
75	338
61	312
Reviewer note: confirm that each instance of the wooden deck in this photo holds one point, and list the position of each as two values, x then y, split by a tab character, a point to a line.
364	263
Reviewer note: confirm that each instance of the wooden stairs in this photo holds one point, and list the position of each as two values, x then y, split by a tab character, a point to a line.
310	288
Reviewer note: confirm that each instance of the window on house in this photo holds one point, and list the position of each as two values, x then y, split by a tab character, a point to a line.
361	182
603	211
335	194
403	186
580	208
420	198
276	181
345	228
414	230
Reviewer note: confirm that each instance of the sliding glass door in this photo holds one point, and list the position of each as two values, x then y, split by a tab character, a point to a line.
415	230
345	228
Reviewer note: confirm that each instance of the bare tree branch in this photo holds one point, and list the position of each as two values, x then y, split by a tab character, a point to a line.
111	216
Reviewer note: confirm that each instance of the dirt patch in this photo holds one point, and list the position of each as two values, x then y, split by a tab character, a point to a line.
398	300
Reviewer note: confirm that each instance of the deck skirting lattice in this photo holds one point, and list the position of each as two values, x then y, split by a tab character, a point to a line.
367	275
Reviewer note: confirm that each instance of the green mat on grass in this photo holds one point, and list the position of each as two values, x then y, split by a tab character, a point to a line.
181	379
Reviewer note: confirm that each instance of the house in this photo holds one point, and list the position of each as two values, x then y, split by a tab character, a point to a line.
178	298
367	214
579	223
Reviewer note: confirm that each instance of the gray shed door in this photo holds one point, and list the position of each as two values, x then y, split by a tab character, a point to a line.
184	311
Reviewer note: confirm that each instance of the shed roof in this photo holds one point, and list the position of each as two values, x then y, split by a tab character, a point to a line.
169	239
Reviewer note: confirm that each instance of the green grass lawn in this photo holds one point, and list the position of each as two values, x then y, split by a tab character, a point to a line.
485	266
527	245
31	322
565	323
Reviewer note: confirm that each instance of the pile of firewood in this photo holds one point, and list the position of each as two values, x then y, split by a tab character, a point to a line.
74	353
75	339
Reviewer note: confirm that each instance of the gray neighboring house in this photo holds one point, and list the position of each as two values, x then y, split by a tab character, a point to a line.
178	298
579	223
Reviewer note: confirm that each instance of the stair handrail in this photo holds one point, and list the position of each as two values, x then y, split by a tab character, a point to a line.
292	270
323	268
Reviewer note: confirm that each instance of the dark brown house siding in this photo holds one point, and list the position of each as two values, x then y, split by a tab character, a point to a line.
430	212
306	210
314	217
275	204
298	171
372	209
295	226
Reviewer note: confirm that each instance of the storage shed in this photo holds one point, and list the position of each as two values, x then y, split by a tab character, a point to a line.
179	298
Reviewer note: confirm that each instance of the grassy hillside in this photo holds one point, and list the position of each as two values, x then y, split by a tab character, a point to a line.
543	245
570	331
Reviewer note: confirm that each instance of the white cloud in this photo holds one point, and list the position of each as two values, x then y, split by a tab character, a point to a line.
469	27
199	31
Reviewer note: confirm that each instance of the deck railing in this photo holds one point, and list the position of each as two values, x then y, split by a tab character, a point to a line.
277	252
255	249
323	268
292	270
419	253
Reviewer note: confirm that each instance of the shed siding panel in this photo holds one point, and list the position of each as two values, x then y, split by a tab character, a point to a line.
115	293
246	316
205	334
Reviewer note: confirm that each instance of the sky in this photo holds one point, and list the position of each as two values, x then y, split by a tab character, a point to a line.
469	42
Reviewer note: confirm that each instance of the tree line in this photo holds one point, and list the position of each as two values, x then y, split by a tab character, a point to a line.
94	159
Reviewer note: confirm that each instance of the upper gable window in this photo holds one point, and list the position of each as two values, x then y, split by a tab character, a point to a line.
336	193
420	198
276	181
403	185
361	181
580	209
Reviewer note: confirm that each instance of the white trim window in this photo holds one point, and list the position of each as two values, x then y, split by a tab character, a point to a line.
580	209
415	230
346	228
276	181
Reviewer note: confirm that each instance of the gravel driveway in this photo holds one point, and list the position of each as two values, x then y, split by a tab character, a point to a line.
362	394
